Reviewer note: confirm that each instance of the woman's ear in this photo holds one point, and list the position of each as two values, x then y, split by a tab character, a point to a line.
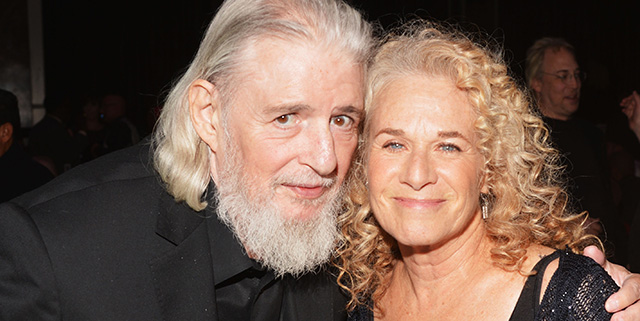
484	187
204	109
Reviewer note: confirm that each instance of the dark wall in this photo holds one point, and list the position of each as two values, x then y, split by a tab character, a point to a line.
606	36
142	46
14	54
133	47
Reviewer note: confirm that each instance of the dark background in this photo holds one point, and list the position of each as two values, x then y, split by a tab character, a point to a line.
141	47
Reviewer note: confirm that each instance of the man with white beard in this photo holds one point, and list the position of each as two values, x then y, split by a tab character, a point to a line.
259	132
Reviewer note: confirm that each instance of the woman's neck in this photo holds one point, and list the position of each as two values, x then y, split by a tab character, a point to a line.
449	281
457	256
459	261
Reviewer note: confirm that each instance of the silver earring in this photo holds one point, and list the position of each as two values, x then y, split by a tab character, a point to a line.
484	205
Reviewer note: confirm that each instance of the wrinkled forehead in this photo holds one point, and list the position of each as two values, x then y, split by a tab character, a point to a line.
254	54
388	85
280	72
424	97
254	48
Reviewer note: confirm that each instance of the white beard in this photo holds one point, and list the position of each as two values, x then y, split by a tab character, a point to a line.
286	245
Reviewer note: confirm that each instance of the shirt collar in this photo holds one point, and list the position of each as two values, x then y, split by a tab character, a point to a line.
228	255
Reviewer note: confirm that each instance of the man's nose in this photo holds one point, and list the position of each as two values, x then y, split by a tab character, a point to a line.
318	151
573	80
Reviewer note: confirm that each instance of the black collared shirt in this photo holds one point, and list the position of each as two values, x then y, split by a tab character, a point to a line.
244	289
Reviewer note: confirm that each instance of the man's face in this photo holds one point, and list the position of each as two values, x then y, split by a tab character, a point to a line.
286	148
558	98
294	123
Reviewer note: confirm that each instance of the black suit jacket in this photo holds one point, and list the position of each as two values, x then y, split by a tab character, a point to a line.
106	242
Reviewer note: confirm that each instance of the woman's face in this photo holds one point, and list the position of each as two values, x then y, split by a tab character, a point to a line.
424	170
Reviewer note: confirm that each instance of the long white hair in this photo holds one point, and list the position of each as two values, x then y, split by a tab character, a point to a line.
180	156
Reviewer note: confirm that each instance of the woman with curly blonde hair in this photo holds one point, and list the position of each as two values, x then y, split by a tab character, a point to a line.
456	209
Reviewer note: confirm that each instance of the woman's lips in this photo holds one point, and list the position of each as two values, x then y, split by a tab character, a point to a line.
418	203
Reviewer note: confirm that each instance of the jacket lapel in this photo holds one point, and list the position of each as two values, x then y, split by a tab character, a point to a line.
183	275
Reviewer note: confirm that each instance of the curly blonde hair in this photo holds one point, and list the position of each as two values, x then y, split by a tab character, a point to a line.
527	202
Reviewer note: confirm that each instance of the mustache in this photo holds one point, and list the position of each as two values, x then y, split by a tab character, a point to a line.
306	179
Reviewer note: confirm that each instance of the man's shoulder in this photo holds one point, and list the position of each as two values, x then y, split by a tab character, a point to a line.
119	167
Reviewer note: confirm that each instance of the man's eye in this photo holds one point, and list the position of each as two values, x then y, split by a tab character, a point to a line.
342	121
284	119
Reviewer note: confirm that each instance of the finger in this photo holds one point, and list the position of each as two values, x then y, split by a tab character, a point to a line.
624	103
628	294
635	98
631	313
624	315
595	253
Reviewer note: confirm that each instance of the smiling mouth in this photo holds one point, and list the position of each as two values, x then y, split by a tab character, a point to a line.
572	97
418	203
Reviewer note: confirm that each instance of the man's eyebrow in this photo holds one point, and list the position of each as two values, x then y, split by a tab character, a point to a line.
567	70
296	108
351	111
286	109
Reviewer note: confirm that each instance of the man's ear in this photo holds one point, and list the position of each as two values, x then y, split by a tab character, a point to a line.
536	85
6	132
204	109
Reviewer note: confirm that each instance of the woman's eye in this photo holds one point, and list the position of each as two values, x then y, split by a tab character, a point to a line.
342	121
449	148
393	146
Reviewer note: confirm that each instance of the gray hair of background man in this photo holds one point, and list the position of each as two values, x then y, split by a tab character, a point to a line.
535	55
180	156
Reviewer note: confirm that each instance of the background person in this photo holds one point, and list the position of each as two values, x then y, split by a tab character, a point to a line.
19	173
631	108
555	78
119	131
51	140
